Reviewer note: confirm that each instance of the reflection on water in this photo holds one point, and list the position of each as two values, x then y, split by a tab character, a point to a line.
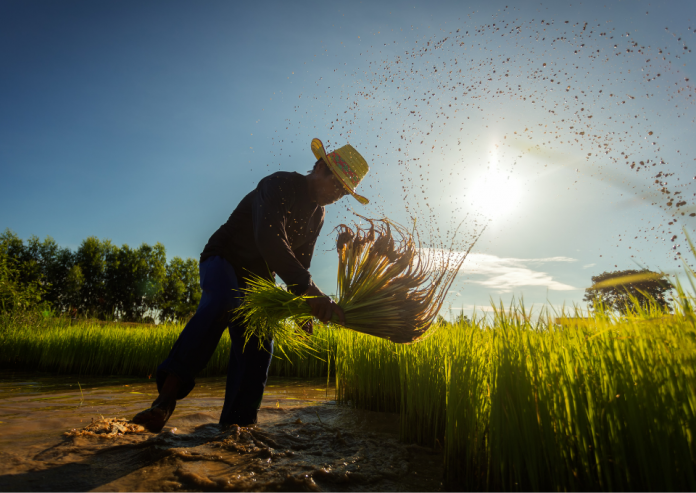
64	434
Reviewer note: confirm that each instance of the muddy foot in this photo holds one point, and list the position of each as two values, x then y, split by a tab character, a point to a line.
154	419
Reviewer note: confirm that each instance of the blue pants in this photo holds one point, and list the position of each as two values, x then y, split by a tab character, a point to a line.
247	372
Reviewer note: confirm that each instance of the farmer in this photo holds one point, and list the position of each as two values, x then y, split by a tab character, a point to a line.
273	230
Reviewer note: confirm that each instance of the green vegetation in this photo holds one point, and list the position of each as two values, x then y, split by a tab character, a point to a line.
517	402
618	290
16	295
388	286
98	280
596	400
31	341
604	403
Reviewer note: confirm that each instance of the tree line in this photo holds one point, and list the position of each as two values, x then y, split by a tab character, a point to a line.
99	280
108	282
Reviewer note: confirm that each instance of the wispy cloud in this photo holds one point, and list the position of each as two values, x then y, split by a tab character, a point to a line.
505	274
587	266
502	274
483	310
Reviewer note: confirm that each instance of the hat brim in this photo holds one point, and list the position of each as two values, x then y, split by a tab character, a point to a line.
320	153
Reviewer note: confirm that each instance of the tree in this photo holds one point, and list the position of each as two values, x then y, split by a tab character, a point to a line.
42	265
152	272
92	257
14	294
134	281
181	292
620	290
25	268
98	280
69	298
61	277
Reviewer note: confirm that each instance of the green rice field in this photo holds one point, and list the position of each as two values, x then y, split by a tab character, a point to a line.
516	401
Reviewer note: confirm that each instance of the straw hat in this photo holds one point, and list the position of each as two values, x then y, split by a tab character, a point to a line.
346	164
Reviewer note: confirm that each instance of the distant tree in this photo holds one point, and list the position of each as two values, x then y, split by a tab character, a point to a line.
152	265
13	246
99	279
69	296
15	294
58	270
92	256
134	281
460	318
42	264
26	269
616	290
182	292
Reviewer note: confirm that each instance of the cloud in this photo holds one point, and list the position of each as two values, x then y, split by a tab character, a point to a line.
469	308
587	266
504	274
534	310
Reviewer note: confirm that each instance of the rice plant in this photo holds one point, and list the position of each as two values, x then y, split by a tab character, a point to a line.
522	403
388	287
517	400
61	346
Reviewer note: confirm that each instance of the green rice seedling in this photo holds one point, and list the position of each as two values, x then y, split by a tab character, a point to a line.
422	370
388	287
273	313
92	349
521	402
518	401
318	361
367	371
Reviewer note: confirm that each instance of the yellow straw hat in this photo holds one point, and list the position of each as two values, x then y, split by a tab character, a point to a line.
346	164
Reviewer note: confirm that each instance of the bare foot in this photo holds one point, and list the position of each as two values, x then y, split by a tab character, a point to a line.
154	419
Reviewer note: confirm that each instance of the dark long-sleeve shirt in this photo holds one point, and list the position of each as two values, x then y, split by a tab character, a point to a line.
272	230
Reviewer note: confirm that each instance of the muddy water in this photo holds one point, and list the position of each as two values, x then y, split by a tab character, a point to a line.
56	435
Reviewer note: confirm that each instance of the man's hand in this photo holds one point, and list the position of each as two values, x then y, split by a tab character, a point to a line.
323	307
308	327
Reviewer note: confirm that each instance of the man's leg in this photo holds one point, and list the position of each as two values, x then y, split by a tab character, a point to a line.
196	343
247	375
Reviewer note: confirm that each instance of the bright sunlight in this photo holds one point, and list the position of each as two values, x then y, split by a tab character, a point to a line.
495	193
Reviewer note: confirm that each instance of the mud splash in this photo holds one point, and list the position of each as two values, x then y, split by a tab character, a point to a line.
56	436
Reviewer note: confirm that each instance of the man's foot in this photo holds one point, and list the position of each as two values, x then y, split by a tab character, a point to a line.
154	419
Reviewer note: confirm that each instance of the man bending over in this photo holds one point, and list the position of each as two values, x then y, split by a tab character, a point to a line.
272	231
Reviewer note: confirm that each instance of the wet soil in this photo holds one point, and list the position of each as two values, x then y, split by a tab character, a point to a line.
58	436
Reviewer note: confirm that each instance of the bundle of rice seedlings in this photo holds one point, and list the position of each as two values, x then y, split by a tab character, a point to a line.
388	287
271	312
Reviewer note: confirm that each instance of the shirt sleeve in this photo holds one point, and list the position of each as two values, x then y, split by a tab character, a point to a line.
270	213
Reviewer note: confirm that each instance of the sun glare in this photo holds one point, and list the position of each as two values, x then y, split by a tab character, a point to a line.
495	193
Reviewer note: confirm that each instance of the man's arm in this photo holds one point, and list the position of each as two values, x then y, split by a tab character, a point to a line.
270	211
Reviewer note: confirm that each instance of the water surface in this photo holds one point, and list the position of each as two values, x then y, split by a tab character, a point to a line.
62	433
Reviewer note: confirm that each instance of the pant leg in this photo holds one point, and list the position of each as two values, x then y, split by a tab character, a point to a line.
245	387
197	342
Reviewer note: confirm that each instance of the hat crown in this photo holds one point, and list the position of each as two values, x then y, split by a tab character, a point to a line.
346	164
350	163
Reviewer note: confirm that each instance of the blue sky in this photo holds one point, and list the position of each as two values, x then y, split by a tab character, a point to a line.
149	121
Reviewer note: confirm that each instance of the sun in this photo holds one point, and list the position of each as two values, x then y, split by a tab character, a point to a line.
495	194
